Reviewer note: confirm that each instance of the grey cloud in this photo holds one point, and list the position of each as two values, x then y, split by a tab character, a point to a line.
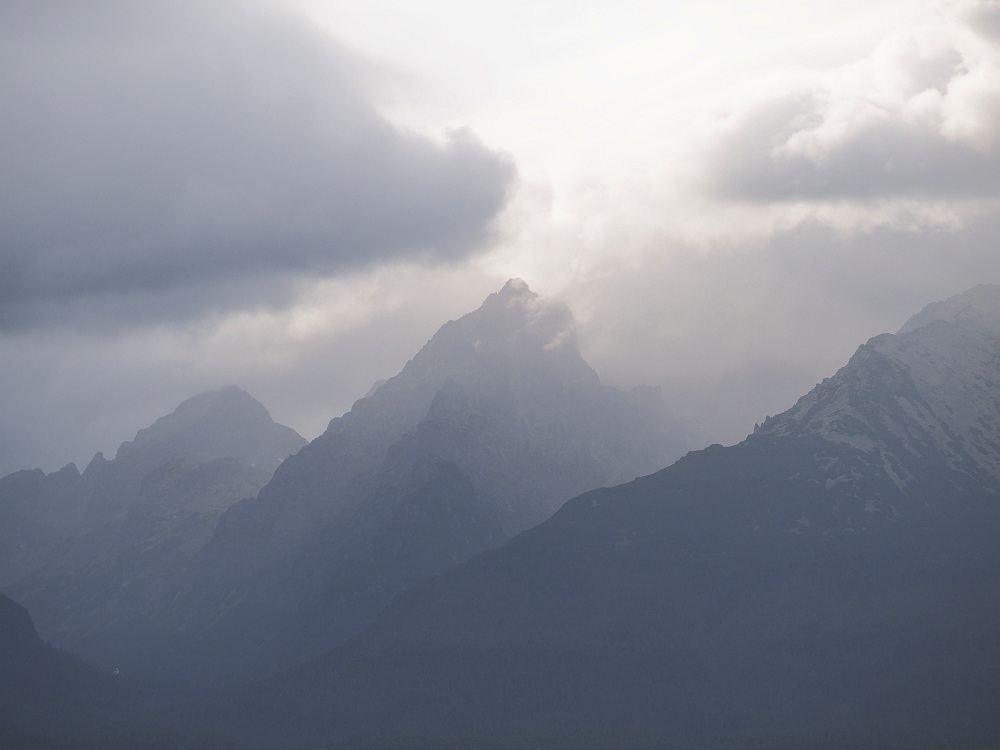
163	152
984	18
738	332
884	157
906	123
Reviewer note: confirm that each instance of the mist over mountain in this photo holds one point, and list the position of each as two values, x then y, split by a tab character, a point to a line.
831	581
834	578
227	423
92	552
491	426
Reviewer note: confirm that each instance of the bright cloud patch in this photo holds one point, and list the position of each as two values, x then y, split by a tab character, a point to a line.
919	118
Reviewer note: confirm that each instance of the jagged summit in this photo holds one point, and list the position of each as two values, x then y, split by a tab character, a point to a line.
515	338
979	307
513	328
513	300
515	288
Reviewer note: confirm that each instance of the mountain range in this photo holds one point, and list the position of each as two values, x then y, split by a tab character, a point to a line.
98	552
412	578
485	432
832	580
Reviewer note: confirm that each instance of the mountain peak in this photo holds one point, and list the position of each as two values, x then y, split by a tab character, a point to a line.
511	324
978	307
514	331
514	295
922	392
516	288
226	422
222	403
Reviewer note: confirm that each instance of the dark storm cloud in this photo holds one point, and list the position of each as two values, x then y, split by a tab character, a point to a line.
166	153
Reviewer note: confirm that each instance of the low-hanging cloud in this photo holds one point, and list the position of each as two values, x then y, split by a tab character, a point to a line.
919	118
167	157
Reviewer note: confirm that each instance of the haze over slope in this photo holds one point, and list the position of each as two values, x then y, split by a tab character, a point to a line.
92	552
493	424
834	577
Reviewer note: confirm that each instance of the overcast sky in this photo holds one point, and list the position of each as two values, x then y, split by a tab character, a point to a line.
293	196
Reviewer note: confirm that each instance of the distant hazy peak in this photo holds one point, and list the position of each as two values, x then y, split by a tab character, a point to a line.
227	422
228	401
979	307
227	394
515	289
